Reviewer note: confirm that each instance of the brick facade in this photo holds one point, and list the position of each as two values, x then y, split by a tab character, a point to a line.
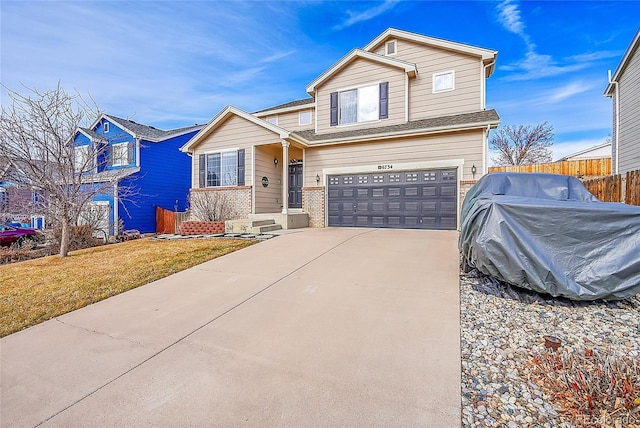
313	204
201	227
236	201
465	185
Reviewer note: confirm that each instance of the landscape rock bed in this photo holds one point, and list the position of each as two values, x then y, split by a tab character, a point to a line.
500	337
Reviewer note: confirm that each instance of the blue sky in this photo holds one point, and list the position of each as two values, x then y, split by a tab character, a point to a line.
171	64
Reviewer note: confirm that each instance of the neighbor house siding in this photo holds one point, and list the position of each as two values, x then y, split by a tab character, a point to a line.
629	131
163	180
235	133
362	72
462	145
268	199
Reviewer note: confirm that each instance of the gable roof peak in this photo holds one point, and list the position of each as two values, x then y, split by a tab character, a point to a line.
408	67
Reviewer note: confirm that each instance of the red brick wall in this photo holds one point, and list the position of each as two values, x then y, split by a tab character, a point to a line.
201	227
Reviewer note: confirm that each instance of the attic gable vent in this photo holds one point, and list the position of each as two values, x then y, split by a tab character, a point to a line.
390	48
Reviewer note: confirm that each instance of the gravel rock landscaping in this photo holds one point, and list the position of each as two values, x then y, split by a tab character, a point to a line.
500	337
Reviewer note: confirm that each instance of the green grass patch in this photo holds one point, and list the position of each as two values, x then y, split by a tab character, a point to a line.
37	290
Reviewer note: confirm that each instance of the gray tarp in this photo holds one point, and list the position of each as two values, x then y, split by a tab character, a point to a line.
547	233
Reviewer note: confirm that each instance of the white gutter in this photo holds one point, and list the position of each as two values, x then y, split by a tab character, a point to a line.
485	149
483	101
617	118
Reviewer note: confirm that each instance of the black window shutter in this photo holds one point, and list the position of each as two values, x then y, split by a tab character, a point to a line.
334	108
241	167
384	100
202	175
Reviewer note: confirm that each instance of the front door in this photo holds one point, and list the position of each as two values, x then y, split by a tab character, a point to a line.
295	186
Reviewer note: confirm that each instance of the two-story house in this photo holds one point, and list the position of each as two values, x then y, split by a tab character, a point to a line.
624	90
389	136
143	167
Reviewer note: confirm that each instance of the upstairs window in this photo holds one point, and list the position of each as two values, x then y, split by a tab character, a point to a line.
222	169
273	119
304	117
120	154
81	161
444	81
105	127
390	48
362	104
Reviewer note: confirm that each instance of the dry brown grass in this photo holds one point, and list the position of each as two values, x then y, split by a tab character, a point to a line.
37	290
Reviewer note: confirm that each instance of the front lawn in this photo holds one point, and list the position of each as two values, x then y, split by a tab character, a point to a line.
37	290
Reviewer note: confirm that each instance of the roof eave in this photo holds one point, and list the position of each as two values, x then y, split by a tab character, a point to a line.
221	117
409	133
635	43
445	44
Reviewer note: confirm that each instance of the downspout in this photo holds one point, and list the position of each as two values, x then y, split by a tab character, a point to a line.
617	118
485	148
115	209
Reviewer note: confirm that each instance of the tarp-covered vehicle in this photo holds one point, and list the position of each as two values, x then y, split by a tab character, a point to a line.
547	233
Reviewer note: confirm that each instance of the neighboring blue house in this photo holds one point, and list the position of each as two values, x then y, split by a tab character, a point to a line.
142	157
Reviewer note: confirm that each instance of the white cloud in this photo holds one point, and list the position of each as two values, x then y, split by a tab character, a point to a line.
365	15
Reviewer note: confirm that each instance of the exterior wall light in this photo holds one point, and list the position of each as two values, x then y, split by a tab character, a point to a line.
275	161
474	170
317	180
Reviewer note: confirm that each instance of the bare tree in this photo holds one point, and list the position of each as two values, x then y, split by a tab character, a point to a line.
522	145
37	137
210	206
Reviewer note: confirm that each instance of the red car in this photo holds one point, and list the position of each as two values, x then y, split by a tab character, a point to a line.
17	236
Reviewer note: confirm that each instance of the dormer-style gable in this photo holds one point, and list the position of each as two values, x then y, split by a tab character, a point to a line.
355	54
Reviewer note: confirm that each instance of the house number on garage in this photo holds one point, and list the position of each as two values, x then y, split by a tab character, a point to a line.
385	166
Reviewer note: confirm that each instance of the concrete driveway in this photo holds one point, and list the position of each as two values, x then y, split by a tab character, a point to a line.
321	327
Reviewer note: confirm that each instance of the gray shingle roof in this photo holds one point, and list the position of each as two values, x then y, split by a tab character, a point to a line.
479	117
91	133
294	103
149	132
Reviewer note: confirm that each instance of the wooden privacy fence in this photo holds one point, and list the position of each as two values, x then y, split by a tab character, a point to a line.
606	189
576	168
614	189
169	221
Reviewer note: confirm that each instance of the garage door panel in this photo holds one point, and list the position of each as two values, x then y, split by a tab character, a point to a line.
449	190
411	191
398	199
429	191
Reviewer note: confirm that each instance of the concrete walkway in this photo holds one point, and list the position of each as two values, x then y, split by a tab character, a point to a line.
322	327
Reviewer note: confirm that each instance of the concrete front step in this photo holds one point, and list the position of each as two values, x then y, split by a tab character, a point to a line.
251	226
267	228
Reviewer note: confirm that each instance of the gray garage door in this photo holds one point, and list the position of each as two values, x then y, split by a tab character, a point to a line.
424	199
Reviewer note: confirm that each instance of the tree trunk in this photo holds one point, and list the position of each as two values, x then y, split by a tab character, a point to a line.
64	238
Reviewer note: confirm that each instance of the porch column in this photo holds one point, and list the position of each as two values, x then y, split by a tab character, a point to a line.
285	176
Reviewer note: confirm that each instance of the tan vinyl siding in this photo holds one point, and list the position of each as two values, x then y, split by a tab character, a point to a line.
268	199
362	72
423	102
236	133
290	120
629	138
462	145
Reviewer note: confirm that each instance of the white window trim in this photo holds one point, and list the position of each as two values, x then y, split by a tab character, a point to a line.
105	127
395	46
213	152
351	88
273	116
442	73
300	117
122	161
